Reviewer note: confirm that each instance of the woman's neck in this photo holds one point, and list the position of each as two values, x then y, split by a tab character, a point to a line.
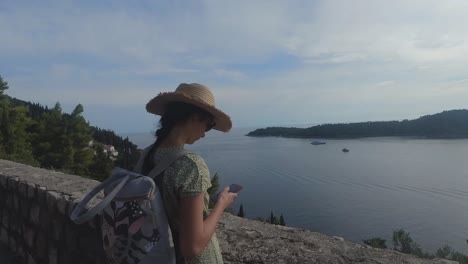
175	139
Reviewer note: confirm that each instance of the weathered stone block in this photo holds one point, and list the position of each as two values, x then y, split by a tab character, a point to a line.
4	235
51	200
31	191
41	196
71	206
52	255
41	245
63	254
9	201
44	219
71	237
23	188
12	243
62	205
28	234
12	183
20	251
34	215
25	209
31	260
14	224
16	202
56	229
3	181
3	192
5	218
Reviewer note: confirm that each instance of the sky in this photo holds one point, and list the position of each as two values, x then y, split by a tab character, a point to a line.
268	63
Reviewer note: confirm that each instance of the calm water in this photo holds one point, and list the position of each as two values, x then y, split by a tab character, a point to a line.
382	184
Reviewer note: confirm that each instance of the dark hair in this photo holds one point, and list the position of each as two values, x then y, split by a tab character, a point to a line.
176	113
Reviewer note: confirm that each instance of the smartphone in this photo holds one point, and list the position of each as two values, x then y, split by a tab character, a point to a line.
234	188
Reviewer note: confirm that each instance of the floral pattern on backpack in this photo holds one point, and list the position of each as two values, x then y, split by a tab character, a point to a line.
129	231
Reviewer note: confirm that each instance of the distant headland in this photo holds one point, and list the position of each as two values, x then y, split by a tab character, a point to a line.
444	125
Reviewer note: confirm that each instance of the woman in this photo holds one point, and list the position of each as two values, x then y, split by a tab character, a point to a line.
186	115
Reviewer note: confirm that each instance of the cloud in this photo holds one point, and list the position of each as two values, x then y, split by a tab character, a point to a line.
386	83
368	56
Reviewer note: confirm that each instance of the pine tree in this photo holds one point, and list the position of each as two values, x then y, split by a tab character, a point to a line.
49	145
4	120
5	128
241	211
16	143
3	85
79	133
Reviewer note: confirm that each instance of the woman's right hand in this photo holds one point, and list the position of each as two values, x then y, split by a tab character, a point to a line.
226	198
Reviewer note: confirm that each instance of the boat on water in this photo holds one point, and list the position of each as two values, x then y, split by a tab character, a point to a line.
345	150
318	143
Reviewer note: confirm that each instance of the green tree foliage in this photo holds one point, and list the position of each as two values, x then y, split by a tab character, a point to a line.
34	134
448	124
281	221
3	85
128	152
261	219
214	185
50	147
78	133
273	219
101	166
4	113
241	212
376	242
15	141
213	190
403	242
444	252
447	252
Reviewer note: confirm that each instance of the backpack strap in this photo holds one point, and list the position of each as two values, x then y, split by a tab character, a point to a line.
80	215
166	162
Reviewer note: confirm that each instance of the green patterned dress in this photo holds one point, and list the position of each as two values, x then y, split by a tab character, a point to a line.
188	176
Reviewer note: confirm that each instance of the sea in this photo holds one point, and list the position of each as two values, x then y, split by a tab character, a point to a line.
380	185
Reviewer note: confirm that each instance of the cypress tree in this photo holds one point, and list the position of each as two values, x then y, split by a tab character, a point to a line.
282	222
241	211
272	218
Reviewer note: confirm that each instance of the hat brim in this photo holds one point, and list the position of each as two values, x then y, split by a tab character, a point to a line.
158	104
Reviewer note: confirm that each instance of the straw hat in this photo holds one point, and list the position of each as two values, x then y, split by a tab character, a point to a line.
195	94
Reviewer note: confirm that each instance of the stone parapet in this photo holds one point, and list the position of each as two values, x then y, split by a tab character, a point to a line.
34	223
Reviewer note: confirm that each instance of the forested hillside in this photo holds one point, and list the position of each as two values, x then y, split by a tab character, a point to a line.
447	124
47	137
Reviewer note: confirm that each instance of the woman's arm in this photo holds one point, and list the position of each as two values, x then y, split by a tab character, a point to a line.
195	232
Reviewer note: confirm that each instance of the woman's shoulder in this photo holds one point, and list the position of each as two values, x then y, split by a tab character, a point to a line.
192	160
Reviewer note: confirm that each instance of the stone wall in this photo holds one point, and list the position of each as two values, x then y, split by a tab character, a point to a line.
34	224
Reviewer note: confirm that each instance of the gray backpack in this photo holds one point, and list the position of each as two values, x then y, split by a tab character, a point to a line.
134	227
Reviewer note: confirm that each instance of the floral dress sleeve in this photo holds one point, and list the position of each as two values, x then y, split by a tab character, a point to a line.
193	176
